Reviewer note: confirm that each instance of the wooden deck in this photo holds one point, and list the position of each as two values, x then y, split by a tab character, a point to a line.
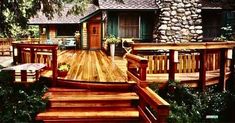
90	66
96	66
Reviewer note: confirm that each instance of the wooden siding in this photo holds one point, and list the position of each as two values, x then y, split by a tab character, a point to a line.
84	35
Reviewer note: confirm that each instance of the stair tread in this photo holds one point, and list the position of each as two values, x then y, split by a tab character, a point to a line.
65	89
79	113
106	103
77	96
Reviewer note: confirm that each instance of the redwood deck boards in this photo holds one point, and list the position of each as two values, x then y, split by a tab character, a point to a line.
90	66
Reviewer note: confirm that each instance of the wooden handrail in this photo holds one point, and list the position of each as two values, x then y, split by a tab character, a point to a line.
182	46
137	68
152	107
148	99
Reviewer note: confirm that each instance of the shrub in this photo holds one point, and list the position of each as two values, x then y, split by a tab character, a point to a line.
188	105
20	103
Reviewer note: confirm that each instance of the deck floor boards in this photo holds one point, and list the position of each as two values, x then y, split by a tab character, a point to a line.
90	66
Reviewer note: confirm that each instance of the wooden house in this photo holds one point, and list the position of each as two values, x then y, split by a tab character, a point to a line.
125	20
139	20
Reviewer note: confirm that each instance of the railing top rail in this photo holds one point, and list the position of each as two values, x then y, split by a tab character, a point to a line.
183	46
38	46
136	58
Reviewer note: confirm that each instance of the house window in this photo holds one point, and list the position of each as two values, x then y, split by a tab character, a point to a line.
66	30
129	26
212	22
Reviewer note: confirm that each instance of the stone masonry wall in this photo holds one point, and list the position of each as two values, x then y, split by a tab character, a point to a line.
179	21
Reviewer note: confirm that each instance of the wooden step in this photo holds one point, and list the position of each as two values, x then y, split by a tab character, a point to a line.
91	104
81	98
81	105
74	95
76	114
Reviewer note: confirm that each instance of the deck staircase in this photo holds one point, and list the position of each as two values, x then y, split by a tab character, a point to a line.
81	105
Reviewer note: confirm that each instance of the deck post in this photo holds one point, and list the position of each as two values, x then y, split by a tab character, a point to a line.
32	55
202	72
172	67
54	67
232	68
143	70
13	52
223	59
19	55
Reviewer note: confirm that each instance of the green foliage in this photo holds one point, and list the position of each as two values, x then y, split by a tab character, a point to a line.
16	13
20	103
189	106
226	34
111	39
63	66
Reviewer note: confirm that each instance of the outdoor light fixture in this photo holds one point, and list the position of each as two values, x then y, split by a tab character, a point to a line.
230	53
176	56
84	25
15	51
44	30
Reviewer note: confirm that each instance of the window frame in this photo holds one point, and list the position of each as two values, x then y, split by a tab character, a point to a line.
139	25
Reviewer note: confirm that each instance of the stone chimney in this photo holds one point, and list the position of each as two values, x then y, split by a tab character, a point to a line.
179	21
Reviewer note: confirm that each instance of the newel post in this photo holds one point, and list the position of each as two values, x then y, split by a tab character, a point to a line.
54	67
163	114
143	70
14	48
173	65
202	72
223	59
32	55
19	54
232	67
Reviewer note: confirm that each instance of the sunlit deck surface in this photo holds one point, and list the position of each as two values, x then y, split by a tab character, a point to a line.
90	66
6	61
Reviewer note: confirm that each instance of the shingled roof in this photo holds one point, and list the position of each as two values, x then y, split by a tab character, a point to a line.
225	4
40	18
128	4
103	4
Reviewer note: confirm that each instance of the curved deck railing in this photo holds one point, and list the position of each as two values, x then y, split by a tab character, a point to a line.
198	64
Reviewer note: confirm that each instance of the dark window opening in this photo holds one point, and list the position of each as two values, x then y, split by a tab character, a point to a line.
66	30
214	20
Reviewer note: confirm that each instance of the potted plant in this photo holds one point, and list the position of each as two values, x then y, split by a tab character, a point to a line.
63	69
77	38
112	40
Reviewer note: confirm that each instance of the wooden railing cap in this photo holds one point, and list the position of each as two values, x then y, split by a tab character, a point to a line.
182	46
137	58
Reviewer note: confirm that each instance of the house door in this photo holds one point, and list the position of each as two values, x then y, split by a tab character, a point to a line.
94	36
